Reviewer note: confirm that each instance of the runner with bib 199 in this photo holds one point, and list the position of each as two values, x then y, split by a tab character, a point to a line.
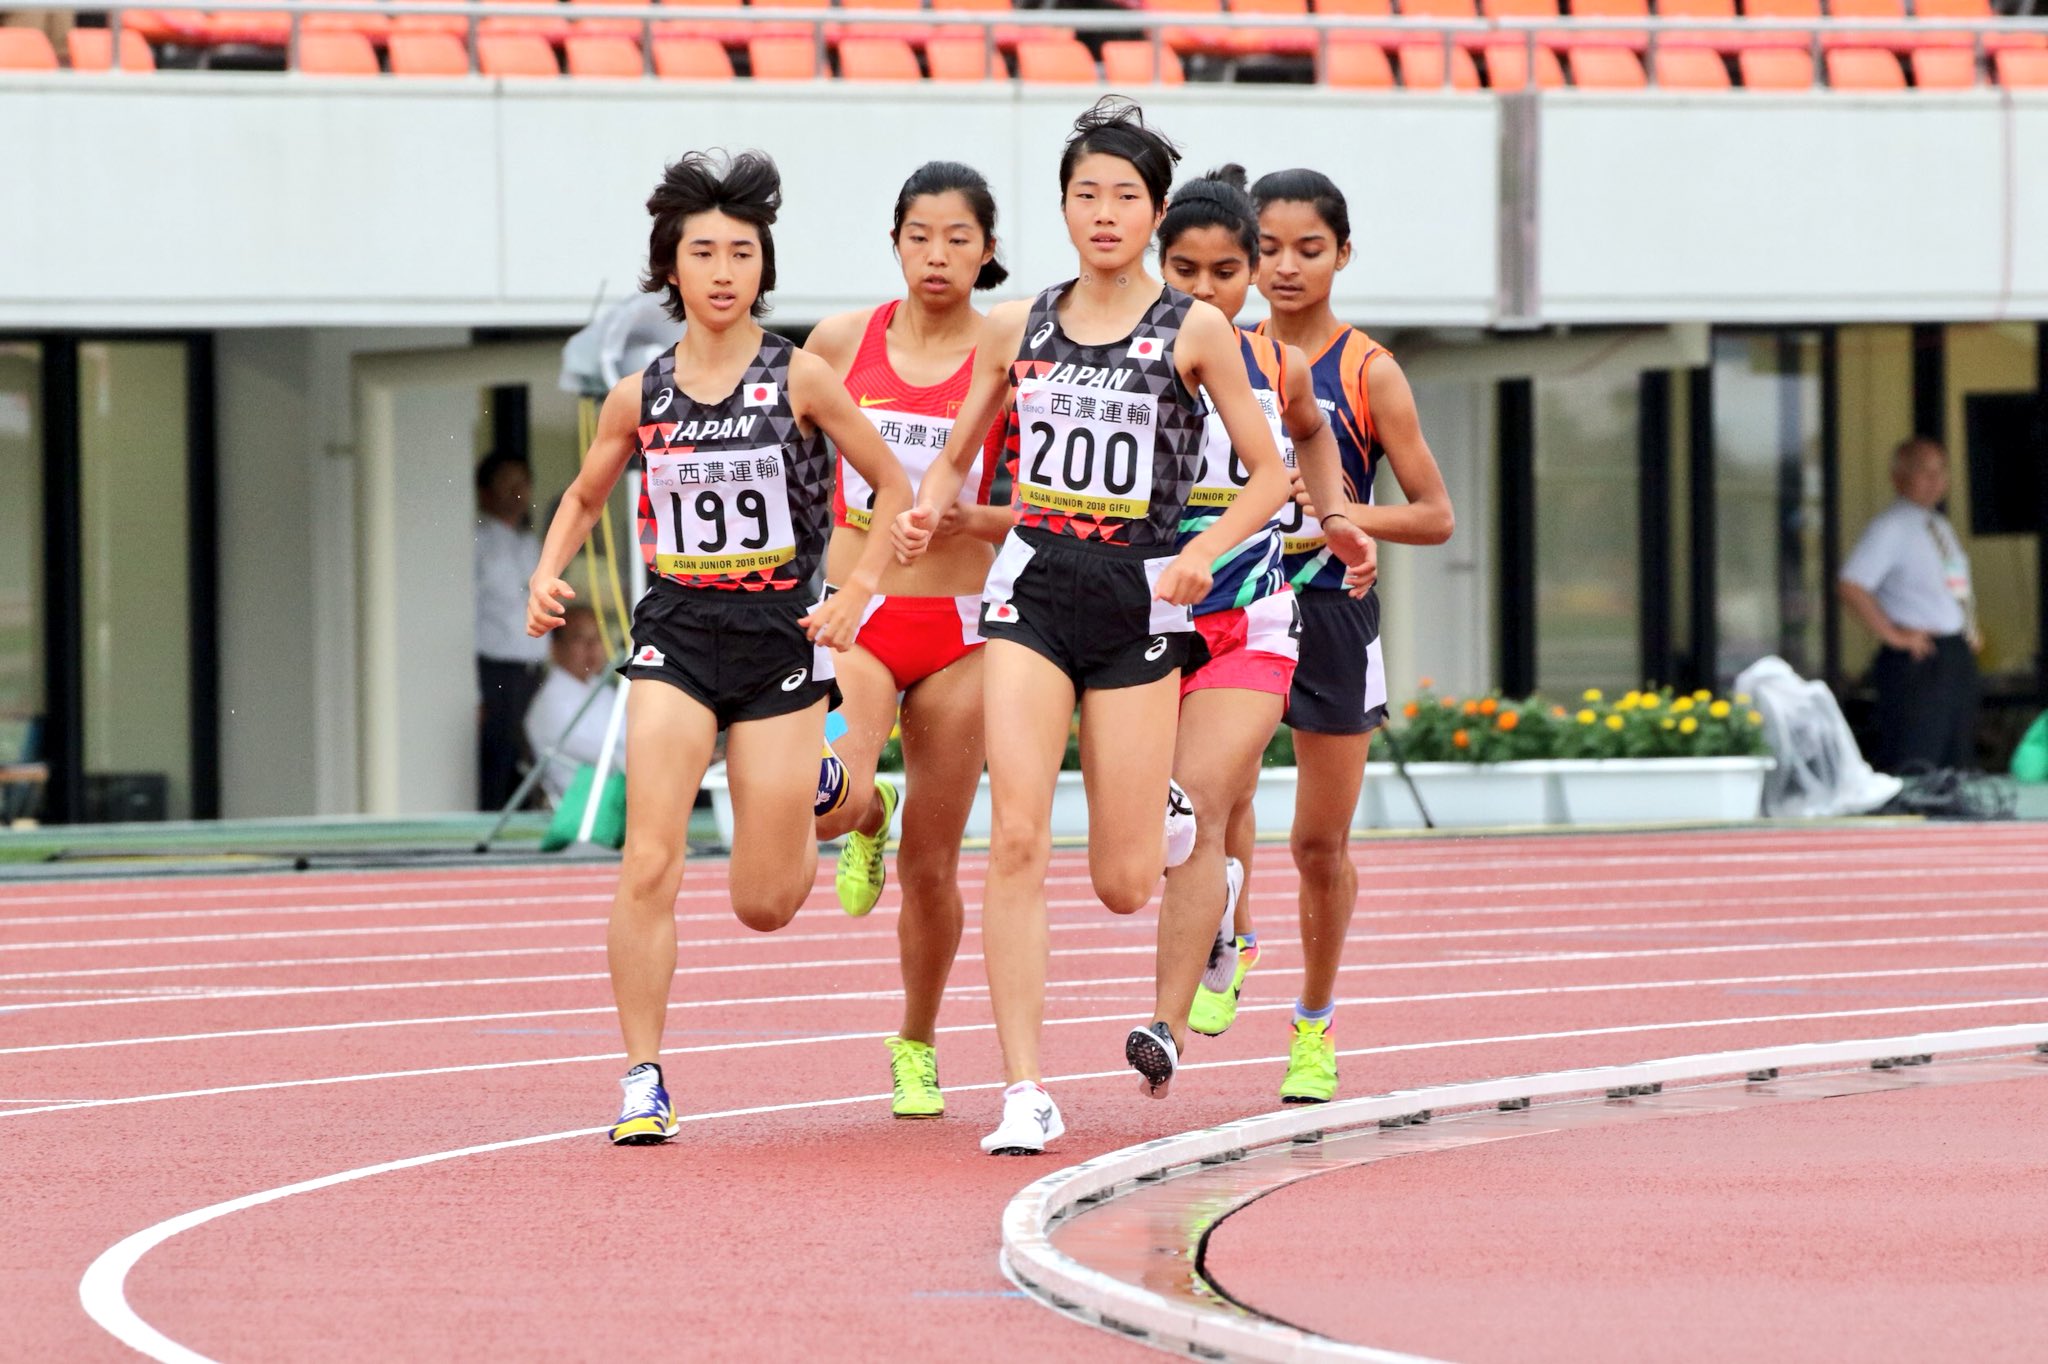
908	364
735	511
1089	599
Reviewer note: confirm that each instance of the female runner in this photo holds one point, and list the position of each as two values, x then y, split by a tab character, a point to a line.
734	514
1339	696
1209	246
1088	599
908	365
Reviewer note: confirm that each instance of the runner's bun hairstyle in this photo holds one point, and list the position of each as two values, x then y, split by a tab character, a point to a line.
1311	187
951	177
746	187
1115	126
1218	199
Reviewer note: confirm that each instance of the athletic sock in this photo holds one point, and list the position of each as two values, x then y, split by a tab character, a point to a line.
1321	1015
654	1066
1022	1086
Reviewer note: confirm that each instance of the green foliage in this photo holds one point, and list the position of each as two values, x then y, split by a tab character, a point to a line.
1641	724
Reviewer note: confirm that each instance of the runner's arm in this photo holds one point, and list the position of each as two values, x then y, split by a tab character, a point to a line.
1427	518
1001	335
818	396
582	504
1321	475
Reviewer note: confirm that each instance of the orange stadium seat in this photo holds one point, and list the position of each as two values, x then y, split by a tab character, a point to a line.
691	59
783	59
2022	68
1776	68
1007	35
1358	66
1606	68
1362	9
337	54
1507	67
790	29
1690	68
719	31
26	49
1130	63
1970	9
602	56
427	54
92	49
1803	10
1191	39
630	29
547	23
524	55
878	59
181	26
964	59
252	28
1056	61
1608	10
1422	67
1523	9
1253	41
1864	68
1897	38
454	25
1722	40
917	35
1944	68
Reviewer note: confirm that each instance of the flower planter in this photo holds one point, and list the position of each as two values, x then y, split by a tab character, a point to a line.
1460	795
1660	790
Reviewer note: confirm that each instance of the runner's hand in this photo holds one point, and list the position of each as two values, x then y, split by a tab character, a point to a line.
1308	508
834	621
1185	581
911	534
1357	551
952	521
544	597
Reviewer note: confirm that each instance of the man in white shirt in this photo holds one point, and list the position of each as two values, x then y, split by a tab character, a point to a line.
508	663
1908	580
577	669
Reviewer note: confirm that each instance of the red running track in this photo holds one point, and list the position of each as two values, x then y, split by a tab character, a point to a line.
169	1044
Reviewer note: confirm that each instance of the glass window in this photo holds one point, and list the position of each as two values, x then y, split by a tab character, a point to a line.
21	550
1587	533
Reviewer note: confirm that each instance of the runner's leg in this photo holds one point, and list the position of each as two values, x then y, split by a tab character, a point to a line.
1332	768
771	769
868	705
942	760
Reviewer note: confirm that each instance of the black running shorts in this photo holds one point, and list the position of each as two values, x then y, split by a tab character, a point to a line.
740	653
1340	684
1089	608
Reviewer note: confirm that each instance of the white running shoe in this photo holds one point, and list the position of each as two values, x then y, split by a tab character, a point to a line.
1151	1052
1030	1120
1222	969
1180	825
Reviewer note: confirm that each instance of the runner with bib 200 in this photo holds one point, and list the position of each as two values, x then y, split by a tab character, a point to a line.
1339	695
908	364
1209	246
1090	599
735	510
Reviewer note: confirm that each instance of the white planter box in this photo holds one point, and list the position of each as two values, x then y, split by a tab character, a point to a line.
1459	795
1660	790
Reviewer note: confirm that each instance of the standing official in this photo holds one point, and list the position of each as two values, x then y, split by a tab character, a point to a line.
508	661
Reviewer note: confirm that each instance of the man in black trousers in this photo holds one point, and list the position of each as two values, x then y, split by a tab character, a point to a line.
508	664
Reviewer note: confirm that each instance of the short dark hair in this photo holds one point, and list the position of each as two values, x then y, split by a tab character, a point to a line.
747	187
1311	187
951	177
1115	126
1218	199
487	468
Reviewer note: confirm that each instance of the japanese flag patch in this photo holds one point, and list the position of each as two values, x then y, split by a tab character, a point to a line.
1147	348
1002	613
759	395
648	657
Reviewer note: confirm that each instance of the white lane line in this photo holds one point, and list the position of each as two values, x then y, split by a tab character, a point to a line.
1442	1043
1349	1001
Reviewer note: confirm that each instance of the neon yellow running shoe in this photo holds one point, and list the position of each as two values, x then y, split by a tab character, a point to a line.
1311	1064
914	1071
1214	1011
862	872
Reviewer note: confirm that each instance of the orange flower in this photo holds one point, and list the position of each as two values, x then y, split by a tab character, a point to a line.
1557	711
1450	703
1488	706
1471	707
1509	719
1461	740
1411	710
1426	682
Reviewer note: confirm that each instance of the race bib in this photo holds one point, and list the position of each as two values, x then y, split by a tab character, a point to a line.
722	513
1223	474
915	441
1085	451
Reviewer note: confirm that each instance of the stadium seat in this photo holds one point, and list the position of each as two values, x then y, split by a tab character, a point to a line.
917	35
1970	9
1634	38
2022	68
427	54
719	31
1007	35
790	29
337	54
1249	42
1056	61
249	28
878	59
1864	68
454	25
1191	39
524	55
1721	40
375	27
1606	68
629	29
1944	68
964	59
1897	39
1802	10
1422	67
691	59
183	27
602	56
547	24
1690	68
1358	66
783	59
1363	9
1507	67
1130	63
92	49
26	49
1776	68
1523	9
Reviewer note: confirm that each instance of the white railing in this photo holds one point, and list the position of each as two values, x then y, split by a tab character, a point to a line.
1157	25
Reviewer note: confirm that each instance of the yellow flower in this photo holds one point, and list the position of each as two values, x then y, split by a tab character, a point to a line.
1651	700
1614	722
1756	717
1703	695
1682	705
1627	702
1670	723
1591	694
1586	717
1719	710
1688	725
